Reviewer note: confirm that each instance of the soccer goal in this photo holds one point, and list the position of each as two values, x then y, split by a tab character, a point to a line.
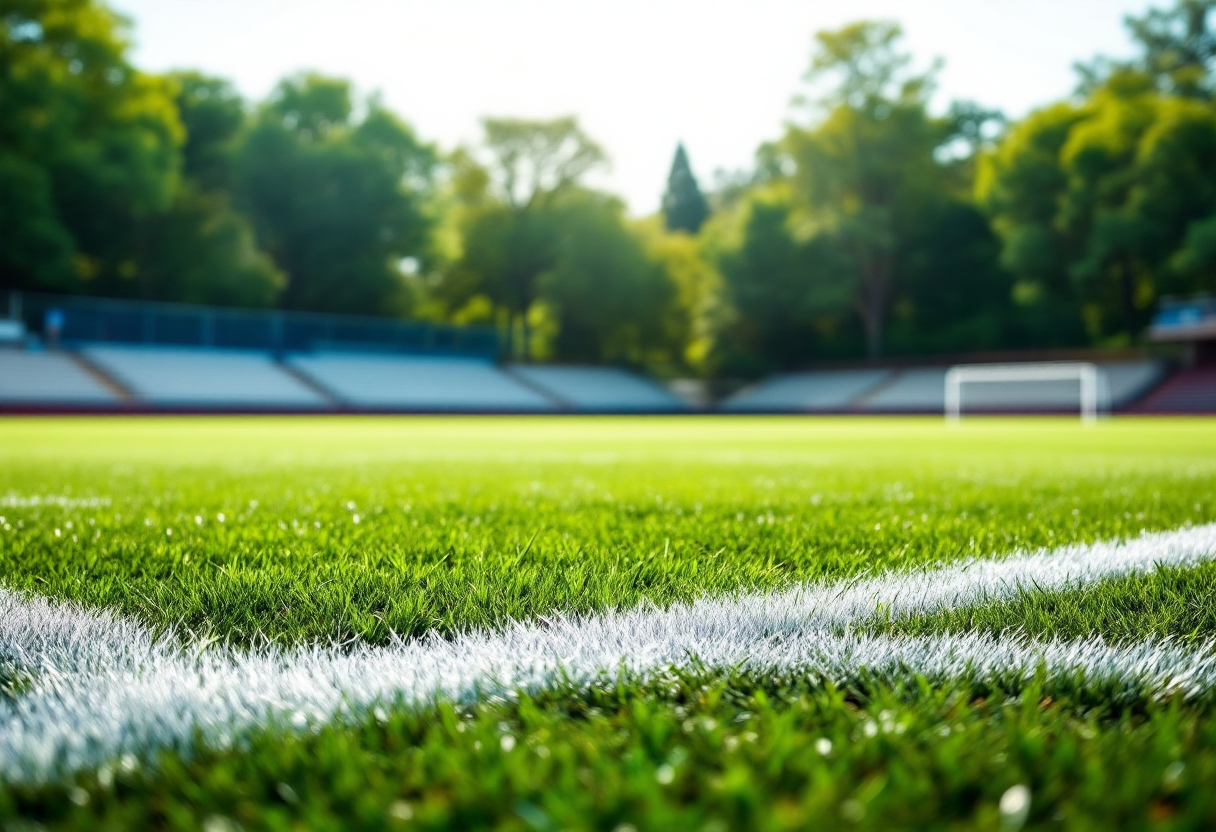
1094	397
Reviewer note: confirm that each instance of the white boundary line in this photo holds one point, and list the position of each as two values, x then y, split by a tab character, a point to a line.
103	686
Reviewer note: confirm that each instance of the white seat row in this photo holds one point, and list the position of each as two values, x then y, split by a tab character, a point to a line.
807	392
599	389
32	378
418	383
201	378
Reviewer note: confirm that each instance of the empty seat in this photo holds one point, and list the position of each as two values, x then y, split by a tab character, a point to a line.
911	391
1130	381
831	390
600	389
31	378
204	378
1189	391
418	383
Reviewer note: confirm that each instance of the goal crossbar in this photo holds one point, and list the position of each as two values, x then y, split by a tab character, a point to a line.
1093	393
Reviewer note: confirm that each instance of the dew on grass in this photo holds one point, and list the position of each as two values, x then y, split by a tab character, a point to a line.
1172	775
1015	807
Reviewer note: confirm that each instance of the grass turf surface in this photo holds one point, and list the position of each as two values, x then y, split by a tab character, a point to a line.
333	529
341	528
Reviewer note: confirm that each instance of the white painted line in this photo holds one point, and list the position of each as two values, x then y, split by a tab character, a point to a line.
102	686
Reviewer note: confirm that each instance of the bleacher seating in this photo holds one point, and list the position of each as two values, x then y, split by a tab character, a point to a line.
49	378
922	390
1190	391
1125	382
417	383
599	389
190	377
828	391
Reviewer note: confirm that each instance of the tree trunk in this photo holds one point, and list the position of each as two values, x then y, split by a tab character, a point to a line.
1127	288
873	327
526	352
872	305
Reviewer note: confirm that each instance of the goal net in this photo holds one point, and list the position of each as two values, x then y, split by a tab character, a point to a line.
1092	393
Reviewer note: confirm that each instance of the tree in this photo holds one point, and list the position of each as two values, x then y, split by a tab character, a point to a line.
200	249
1095	201
608	297
1177	52
337	203
89	148
684	206
868	164
510	234
213	115
785	291
952	295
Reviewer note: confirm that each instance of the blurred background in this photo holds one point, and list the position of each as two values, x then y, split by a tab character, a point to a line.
532	205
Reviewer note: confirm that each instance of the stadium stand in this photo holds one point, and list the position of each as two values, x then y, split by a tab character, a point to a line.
807	392
417	383
598	389
189	377
49	378
909	391
1189	391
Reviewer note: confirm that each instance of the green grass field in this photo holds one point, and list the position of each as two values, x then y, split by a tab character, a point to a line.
306	532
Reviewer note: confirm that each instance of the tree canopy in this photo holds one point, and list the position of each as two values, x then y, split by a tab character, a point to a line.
684	206
879	222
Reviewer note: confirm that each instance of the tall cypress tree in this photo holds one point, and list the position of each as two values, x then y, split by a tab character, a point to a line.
684	206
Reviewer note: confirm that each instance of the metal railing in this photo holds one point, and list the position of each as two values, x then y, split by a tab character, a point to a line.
81	319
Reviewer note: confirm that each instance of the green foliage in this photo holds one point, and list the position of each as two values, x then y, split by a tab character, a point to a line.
539	246
36	250
213	115
608	296
1178	51
868	166
951	294
202	251
866	229
1095	203
335	203
862	231
779	288
89	147
684	206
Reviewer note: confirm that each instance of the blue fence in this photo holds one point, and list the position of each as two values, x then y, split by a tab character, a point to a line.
97	320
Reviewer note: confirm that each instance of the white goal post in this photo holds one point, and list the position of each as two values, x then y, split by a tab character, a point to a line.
1094	395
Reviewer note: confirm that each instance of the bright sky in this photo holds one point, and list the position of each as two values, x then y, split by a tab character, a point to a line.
640	74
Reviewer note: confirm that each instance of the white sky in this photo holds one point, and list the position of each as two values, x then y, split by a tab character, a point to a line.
640	74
